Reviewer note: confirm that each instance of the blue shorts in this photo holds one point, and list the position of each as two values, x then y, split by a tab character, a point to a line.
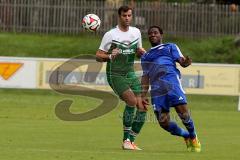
168	92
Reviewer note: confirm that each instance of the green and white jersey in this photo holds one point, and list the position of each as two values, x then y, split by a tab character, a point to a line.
127	42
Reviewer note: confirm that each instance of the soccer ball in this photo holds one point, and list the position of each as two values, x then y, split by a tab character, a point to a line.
91	22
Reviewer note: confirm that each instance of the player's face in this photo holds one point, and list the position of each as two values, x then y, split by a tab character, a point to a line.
126	18
154	36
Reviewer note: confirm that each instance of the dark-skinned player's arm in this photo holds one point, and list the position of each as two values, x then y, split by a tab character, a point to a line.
140	52
145	87
185	61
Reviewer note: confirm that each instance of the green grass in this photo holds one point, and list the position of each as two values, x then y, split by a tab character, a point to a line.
31	131
214	50
35	45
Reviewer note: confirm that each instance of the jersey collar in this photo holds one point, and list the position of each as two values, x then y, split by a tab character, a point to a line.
157	46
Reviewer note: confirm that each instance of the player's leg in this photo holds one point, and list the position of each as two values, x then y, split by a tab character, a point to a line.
138	121
192	142
132	124
121	87
163	118
179	101
128	115
140	115
184	114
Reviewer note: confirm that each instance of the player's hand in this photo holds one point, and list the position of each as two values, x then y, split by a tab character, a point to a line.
188	60
143	104
185	61
145	101
115	53
140	105
140	52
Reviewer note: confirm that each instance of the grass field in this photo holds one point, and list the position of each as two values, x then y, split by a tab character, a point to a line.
31	131
205	50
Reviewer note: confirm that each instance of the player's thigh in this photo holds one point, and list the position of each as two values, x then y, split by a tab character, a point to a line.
177	96
129	97
160	103
134	83
118	83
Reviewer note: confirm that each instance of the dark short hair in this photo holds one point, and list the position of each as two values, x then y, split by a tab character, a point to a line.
123	9
159	28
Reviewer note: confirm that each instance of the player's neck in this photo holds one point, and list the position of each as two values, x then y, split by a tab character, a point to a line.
155	44
123	28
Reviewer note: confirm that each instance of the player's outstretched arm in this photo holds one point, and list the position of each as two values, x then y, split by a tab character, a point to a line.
185	61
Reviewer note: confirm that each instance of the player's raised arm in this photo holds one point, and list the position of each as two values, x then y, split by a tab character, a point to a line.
178	56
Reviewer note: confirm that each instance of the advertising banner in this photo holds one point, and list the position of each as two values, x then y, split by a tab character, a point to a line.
17	73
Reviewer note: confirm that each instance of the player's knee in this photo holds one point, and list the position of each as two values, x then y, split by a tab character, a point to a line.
185	117
163	121
131	101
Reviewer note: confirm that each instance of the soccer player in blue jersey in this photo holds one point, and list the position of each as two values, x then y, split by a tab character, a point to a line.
160	71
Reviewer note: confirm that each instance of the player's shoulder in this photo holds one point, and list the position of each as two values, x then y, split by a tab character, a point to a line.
134	29
170	44
111	31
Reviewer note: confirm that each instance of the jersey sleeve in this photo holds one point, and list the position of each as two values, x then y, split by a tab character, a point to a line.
176	53
106	42
139	45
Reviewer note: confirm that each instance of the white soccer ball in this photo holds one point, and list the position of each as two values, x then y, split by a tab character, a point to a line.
91	22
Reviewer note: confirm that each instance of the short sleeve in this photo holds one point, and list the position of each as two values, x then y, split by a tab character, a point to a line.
176	53
140	39
106	42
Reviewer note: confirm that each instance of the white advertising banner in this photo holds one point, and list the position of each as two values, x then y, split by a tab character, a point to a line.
17	72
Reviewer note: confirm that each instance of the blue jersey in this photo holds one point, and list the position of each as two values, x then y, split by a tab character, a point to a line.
162	55
159	63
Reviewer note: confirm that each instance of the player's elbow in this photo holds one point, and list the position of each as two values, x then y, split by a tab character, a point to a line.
98	59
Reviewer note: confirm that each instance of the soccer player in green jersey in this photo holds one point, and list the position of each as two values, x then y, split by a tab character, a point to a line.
119	47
